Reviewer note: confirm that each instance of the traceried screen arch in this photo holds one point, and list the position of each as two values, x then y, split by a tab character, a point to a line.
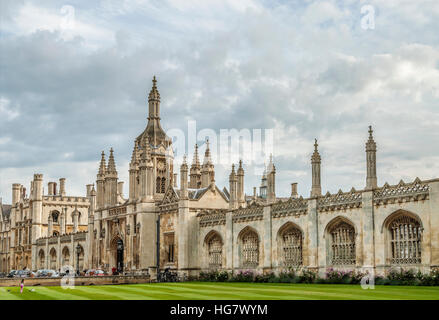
292	247
215	249
405	240
342	244
249	249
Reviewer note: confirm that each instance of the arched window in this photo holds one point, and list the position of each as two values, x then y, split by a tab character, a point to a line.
41	258
341	244
291	244
81	258
163	185
249	249
53	259
65	256
215	251
55	215
405	240
157	185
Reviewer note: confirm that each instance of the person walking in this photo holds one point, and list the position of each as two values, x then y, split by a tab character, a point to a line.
21	285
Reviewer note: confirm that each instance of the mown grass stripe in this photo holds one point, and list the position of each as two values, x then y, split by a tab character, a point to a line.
219	291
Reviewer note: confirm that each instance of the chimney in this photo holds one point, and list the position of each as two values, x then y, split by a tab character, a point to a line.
120	188
89	187
50	188
294	190
15	193
62	186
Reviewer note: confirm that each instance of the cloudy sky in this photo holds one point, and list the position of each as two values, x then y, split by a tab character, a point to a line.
74	79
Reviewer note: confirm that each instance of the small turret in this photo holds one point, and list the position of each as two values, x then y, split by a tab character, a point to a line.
195	175
371	149
208	170
240	186
183	179
271	181
316	189
233	201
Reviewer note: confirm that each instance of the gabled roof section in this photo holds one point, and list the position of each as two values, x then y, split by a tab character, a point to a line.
171	196
197	194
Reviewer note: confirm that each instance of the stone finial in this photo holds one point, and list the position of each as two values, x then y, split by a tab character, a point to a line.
134	155
111	168
315	158
196	160
102	166
232	174
370	144
154	93
240	168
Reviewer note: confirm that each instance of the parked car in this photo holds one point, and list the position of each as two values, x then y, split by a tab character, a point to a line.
95	272
52	273
12	273
22	274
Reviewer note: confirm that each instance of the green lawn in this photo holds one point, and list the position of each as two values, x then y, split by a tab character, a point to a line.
214	291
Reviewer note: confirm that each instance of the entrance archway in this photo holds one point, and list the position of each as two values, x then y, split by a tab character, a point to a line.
117	248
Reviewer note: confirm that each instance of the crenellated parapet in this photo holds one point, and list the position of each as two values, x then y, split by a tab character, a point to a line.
340	201
251	213
291	207
402	192
214	217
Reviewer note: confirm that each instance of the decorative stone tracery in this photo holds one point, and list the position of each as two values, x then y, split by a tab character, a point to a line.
249	249
291	247
341	244
405	240
215	249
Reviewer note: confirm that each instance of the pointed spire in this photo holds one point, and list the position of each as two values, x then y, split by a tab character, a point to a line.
134	156
196	160
111	164
102	166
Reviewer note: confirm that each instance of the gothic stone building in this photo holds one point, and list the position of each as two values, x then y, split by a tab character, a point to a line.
197	226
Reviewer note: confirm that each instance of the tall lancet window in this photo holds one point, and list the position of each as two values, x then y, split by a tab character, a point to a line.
405	240
163	185
158	185
250	249
215	247
342	244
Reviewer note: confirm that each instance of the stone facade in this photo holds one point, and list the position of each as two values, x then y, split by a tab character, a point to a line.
198	227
